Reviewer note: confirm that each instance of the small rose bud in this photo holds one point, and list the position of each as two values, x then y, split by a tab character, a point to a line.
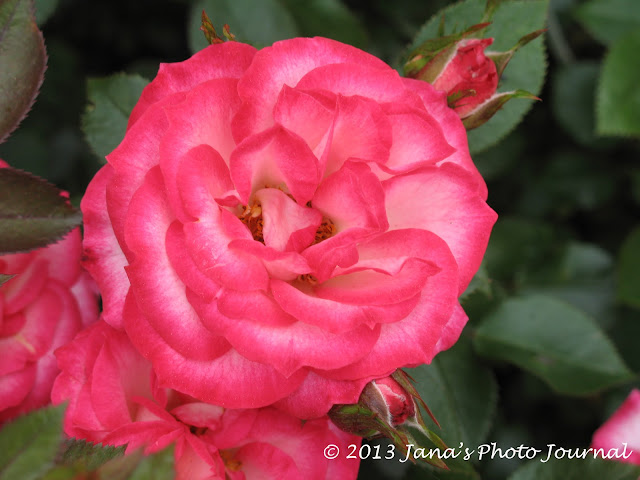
387	398
469	74
387	407
470	77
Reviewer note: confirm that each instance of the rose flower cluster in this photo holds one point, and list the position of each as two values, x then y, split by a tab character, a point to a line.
277	229
46	299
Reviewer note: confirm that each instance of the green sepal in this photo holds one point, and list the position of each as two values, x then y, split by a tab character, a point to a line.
209	30
501	59
488	109
435	53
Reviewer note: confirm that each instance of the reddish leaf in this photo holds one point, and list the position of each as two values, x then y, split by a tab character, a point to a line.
23	59
33	213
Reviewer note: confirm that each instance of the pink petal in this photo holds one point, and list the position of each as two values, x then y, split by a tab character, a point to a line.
417	140
281	265
360	132
132	159
455	134
25	287
199	414
63	258
274	158
352	197
193	461
285	63
317	394
415	339
349	79
158	290
262	461
203	175
287	345
227	60
212	103
304	114
207	241
444	201
287	225
14	388
623	427
230	380
332	316
103	257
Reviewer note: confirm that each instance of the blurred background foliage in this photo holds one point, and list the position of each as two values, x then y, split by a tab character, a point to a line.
564	255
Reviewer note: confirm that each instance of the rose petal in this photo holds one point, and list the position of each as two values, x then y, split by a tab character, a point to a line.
103	257
623	427
444	201
227	60
156	286
274	158
285	63
230	380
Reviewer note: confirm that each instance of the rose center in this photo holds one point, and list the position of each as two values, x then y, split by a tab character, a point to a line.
252	218
326	230
230	462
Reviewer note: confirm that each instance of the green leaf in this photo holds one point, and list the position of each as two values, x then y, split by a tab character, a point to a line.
5	278
259	23
518	247
328	17
511	21
573	101
554	341
111	100
88	456
584	278
570	469
480	284
461	394
618	98
33	213
608	20
629	270
29	444
44	9
23	59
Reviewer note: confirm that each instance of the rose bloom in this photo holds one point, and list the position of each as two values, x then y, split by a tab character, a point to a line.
283	226
114	398
47	302
469	69
622	427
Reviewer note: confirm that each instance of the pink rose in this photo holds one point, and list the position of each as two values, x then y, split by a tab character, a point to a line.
114	398
622	428
284	226
47	302
470	74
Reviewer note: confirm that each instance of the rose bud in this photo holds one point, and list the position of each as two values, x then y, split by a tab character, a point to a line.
387	408
469	74
621	431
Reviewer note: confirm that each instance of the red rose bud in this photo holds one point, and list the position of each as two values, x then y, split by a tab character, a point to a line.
400	405
387	408
469	75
